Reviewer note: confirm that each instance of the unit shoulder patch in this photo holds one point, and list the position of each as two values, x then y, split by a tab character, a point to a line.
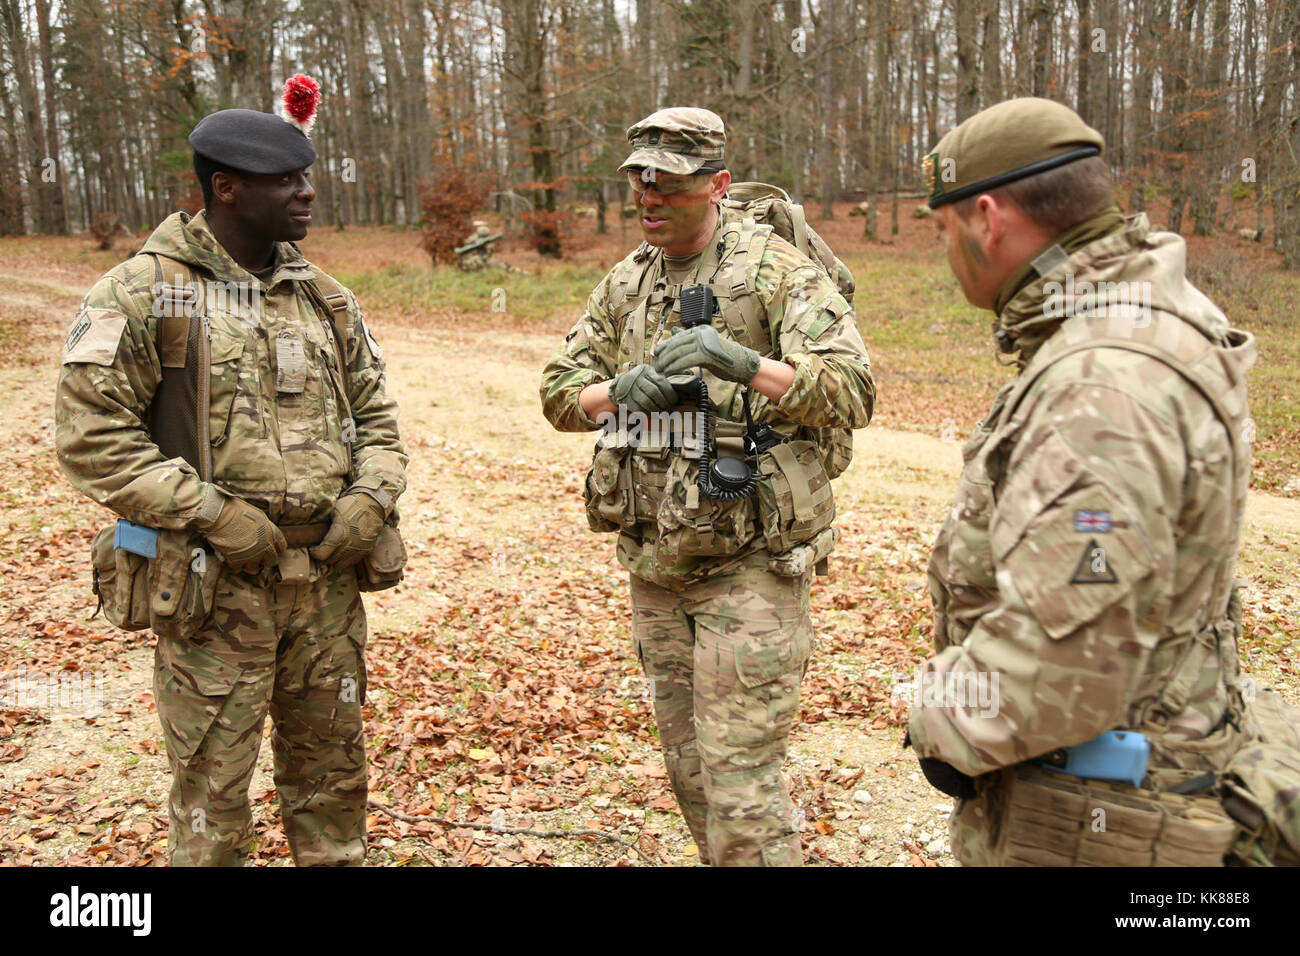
1094	566
94	337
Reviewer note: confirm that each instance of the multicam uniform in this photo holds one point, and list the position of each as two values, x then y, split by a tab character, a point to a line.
289	639
724	639
1088	560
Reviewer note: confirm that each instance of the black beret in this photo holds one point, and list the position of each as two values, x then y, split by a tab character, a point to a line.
253	142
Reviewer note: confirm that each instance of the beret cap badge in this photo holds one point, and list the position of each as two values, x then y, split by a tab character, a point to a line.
257	142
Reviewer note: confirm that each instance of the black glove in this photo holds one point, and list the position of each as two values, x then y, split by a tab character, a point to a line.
944	777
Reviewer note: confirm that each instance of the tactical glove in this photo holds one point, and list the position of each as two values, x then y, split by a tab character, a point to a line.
642	389
354	526
702	347
944	777
245	537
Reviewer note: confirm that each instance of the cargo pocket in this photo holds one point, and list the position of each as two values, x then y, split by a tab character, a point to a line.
795	500
183	583
384	566
770	670
606	493
120	580
190	686
761	660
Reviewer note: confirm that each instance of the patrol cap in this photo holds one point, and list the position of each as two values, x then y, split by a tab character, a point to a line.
678	139
1004	143
253	142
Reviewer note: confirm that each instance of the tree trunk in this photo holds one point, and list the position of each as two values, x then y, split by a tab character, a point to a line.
58	214
11	22
968	84
991	53
828	151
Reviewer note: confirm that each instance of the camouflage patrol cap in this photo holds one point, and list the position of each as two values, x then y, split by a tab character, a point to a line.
253	142
1004	143
679	139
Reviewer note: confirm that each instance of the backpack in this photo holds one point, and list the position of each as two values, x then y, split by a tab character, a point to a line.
772	206
1260	787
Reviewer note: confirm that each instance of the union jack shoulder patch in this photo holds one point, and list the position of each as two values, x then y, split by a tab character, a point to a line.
1092	522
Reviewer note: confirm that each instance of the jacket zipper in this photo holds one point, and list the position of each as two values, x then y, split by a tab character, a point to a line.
204	400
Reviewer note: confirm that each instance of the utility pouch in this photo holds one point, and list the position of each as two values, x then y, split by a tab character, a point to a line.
607	499
805	557
183	582
384	566
692	525
1259	785
1055	820
120	579
795	500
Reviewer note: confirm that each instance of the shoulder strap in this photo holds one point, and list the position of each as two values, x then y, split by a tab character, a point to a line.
1195	373
173	303
178	414
800	224
328	297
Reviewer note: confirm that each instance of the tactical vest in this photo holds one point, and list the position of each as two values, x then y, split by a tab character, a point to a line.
179	413
647	482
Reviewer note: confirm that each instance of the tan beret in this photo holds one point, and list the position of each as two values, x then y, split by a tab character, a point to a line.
1003	143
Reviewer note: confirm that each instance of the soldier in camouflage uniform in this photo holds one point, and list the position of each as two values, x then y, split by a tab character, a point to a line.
1085	572
723	637
306	465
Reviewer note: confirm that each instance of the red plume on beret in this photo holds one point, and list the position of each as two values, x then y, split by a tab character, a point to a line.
301	97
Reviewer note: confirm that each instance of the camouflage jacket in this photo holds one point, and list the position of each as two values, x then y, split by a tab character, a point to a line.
285	451
781	304
1083	575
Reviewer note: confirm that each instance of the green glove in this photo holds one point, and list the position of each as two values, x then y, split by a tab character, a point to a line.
642	389
702	347
245	537
354	527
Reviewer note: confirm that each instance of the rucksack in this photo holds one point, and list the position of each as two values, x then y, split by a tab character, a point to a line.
772	206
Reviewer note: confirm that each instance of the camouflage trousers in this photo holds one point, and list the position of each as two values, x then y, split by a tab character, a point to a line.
725	659
296	651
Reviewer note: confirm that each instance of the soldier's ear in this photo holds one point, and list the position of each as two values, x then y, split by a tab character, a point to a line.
719	184
225	187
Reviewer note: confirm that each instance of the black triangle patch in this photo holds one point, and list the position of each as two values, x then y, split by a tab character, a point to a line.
1094	566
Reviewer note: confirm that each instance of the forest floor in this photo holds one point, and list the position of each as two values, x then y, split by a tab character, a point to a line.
502	686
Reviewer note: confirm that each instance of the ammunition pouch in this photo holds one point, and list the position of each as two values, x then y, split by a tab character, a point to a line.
173	593
1259	785
1051	819
384	567
651	481
795	500
120	579
693	526
607	490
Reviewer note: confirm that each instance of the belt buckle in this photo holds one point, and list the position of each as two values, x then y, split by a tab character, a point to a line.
295	566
